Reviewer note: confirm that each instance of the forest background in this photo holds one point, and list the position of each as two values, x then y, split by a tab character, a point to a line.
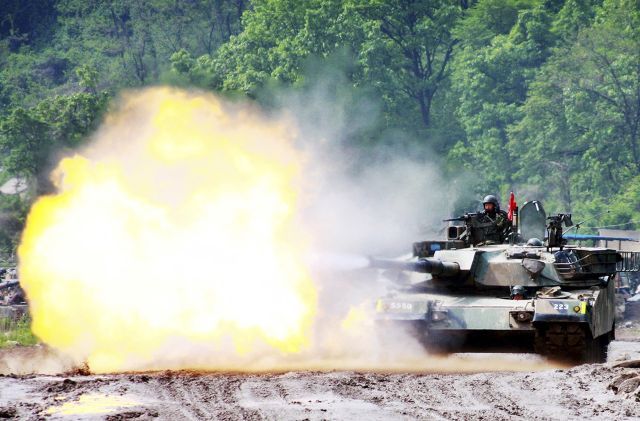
541	97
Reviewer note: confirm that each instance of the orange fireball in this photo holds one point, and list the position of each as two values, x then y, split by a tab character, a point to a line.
175	226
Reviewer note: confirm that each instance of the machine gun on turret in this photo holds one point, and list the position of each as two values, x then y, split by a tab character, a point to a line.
554	230
464	218
477	229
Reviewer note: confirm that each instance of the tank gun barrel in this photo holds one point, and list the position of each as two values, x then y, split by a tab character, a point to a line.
424	265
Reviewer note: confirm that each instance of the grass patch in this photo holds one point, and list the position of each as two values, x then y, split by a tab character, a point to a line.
16	332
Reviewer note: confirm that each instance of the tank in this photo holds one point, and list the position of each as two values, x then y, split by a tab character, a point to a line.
534	293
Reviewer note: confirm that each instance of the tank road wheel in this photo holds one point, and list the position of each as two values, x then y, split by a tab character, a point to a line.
571	342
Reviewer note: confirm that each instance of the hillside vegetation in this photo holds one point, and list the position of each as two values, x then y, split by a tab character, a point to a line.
541	97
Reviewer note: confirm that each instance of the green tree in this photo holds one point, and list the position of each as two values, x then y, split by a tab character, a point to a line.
407	51
22	137
29	138
583	112
277	37
492	76
401	50
88	77
22	22
133	41
574	16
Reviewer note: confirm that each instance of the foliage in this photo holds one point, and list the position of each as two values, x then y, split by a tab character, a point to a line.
536	96
134	40
407	51
22	22
582	118
16	332
13	210
31	142
492	80
30	138
277	37
401	51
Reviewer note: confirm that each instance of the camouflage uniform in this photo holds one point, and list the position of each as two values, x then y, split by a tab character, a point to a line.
498	231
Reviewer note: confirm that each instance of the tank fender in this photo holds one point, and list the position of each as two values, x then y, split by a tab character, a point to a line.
604	310
561	310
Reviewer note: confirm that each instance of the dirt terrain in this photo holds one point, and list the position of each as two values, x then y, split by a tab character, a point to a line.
36	383
598	391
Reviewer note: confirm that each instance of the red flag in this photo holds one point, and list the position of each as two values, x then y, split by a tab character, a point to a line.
512	206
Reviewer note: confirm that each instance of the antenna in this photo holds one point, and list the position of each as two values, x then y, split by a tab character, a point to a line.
579	224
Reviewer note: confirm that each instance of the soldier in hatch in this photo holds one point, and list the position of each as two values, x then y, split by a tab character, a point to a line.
499	230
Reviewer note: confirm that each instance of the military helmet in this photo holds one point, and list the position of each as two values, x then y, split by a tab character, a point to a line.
518	290
491	199
534	242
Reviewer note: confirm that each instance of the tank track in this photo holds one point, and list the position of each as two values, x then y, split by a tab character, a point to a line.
571	342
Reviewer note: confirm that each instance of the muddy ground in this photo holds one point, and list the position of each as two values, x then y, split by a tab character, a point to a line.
37	383
598	391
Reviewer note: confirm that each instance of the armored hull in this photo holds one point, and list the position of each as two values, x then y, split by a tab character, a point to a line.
575	325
